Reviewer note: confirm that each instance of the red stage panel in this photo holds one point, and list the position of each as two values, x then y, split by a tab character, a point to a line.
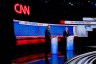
33	40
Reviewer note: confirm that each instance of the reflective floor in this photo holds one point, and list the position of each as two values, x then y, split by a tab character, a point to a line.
86	58
55	59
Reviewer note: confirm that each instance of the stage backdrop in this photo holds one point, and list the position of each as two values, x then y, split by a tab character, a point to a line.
39	30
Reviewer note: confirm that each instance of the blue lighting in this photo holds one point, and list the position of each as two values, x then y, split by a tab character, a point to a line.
28	30
95	4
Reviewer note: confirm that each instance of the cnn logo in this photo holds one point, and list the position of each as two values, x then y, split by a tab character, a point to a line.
20	9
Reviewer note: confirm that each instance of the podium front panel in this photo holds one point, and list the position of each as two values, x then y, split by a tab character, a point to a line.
54	45
54	50
70	43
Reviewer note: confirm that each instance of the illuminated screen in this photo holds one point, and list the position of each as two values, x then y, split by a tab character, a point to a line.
29	30
32	33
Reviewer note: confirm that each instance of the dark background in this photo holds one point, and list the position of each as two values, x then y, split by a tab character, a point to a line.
49	11
52	11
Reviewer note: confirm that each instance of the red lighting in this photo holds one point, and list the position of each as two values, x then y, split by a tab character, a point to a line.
62	22
20	9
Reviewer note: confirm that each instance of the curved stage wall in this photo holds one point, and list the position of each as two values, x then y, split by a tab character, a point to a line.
35	33
29	30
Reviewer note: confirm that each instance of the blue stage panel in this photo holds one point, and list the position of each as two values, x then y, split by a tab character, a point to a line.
29	30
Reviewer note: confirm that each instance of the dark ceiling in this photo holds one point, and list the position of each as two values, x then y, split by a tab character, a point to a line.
53	11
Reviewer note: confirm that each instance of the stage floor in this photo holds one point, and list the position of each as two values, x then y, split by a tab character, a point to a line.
70	55
55	58
58	59
42	61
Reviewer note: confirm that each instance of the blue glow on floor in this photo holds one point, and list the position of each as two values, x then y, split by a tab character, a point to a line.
61	61
70	54
55	59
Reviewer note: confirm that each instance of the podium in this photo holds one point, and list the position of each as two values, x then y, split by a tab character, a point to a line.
70	43
54	50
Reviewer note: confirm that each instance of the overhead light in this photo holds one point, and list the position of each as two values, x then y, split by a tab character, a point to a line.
89	1
69	2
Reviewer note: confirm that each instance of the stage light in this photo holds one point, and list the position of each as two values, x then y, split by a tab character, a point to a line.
89	1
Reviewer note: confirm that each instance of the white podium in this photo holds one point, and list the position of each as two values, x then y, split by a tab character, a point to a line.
70	43
54	45
54	50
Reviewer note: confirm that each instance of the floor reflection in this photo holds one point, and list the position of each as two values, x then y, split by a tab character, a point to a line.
70	54
55	59
60	60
